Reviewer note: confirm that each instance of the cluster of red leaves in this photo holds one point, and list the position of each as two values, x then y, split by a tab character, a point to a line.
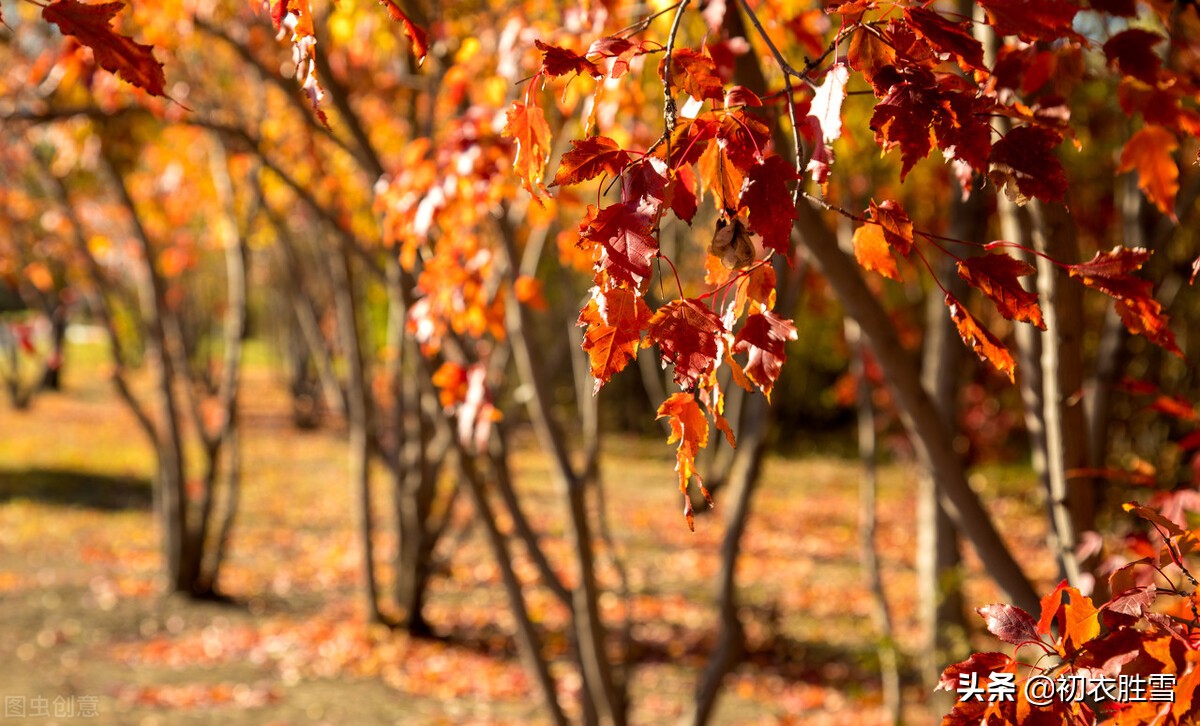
933	86
724	151
933	89
1124	636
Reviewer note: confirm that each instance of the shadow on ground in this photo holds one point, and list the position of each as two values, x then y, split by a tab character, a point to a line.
74	488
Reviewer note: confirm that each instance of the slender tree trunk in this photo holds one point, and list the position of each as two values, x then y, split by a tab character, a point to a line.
358	420
889	661
939	560
178	551
1072	498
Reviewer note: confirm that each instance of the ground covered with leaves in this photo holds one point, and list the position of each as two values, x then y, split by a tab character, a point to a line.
84	616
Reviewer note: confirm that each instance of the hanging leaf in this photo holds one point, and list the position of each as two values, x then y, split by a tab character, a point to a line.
1111	273
687	333
614	320
946	36
872	251
763	338
996	276
897	227
766	195
689	427
1024	164
987	346
116	53
560	61
1032	21
1132	52
695	74
527	126
621	50
626	244
416	36
1152	152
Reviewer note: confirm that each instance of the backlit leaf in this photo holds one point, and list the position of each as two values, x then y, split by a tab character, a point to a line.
416	35
763	337
996	276
1032	21
687	333
946	36
897	227
689	427
766	195
1025	165
116	53
872	251
560	61
987	346
1111	273
1009	623
614	320
589	158
627	246
527	126
695	74
1151	151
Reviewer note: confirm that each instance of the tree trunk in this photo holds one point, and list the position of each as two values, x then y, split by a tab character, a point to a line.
358	420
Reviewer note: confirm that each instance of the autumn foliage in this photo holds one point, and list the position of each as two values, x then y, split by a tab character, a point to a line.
678	168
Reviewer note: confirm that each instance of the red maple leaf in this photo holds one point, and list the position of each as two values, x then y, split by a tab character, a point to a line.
872	251
589	158
1025	165
897	227
1009	623
946	36
621	50
1132	52
1032	21
687	333
763	337
116	53
627	247
996	276
769	201
1110	273
1151	151
527	125
560	61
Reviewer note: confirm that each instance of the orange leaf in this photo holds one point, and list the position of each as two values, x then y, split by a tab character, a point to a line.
614	321
529	292
987	346
1151	152
897	227
872	251
690	428
116	53
416	36
527	126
